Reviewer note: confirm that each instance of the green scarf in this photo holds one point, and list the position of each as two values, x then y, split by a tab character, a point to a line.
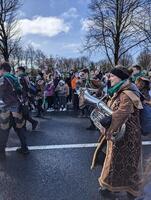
13	79
136	76
115	88
23	75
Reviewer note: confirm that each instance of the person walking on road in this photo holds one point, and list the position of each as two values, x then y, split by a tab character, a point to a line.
10	114
121	170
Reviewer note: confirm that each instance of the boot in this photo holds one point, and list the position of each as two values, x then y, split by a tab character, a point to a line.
23	151
21	134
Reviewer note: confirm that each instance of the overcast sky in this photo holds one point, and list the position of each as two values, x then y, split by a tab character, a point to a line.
57	27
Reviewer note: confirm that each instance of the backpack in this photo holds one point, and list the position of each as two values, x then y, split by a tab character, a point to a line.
32	88
23	108
13	81
29	86
145	119
145	114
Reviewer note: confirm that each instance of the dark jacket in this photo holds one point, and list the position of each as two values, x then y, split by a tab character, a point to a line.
24	82
7	93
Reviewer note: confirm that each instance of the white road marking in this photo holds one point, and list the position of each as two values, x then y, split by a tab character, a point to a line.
65	146
49	147
145	143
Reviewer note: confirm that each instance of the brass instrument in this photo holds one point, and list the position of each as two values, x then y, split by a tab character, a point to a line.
2	105
100	112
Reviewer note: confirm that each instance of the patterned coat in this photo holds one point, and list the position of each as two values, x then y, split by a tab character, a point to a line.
122	166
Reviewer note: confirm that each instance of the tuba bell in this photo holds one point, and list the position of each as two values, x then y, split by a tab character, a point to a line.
99	112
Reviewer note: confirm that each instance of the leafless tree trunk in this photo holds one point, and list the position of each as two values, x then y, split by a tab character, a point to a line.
30	56
113	27
40	58
144	59
8	22
145	24
126	60
105	66
17	55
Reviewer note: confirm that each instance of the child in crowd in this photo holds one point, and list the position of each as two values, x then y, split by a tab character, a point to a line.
63	92
49	95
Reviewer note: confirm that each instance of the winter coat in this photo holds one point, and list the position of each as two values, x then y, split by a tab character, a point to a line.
7	93
63	90
122	166
49	90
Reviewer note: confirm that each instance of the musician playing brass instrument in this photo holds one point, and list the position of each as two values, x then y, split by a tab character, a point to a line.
122	165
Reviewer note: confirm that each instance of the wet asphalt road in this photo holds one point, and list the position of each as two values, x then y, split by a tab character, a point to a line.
55	174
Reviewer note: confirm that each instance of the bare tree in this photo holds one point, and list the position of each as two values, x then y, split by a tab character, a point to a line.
29	56
84	62
8	23
40	58
105	66
148	25
67	64
126	60
17	55
144	59
49	63
145	24
113	27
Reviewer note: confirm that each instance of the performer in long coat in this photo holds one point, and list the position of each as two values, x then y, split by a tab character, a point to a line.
122	165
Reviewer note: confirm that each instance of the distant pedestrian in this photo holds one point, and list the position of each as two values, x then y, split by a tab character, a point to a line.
63	92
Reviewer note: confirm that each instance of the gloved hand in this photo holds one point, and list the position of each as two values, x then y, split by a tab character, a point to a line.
106	121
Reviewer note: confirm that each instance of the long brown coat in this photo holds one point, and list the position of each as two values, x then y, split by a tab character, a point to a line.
122	166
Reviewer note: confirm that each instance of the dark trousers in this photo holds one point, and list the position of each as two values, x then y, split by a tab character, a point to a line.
62	101
39	106
50	100
4	134
21	133
75	99
15	120
27	116
69	97
84	111
3	139
56	100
